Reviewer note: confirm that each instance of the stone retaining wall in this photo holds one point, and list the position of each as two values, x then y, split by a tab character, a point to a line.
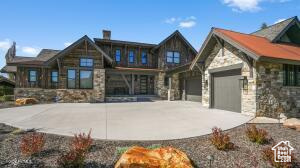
43	95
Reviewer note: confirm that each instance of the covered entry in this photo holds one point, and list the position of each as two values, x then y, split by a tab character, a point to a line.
226	92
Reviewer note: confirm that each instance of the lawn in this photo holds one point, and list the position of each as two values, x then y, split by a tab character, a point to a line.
104	153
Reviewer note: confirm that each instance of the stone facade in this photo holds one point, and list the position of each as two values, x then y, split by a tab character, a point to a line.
160	89
42	95
226	56
272	96
97	94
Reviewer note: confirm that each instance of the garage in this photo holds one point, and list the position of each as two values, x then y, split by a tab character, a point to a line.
226	92
193	89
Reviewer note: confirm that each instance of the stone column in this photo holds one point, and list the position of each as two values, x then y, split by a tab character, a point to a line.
99	85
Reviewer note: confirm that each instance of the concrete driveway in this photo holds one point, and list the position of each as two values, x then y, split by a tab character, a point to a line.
160	120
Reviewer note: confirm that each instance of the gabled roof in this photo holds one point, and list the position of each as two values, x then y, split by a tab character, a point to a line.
274	32
46	54
171	36
8	69
75	44
259	48
6	80
124	42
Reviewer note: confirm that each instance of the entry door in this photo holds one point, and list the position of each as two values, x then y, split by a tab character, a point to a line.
226	90
143	84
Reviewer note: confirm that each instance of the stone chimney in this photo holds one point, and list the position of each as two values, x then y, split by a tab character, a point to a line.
106	34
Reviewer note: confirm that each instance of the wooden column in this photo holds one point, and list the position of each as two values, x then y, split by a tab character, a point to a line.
132	84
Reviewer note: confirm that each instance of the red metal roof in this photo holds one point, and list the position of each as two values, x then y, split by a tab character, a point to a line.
263	47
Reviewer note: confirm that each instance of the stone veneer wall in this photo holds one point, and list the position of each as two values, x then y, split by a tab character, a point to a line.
225	57
160	89
272	97
68	95
43	95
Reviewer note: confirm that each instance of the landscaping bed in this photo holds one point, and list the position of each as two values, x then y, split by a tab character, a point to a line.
105	153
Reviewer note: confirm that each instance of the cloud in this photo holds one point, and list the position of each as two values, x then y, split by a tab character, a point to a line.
30	50
66	44
5	44
279	20
248	5
188	22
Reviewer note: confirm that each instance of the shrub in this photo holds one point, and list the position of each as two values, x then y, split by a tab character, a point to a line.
32	144
268	155
8	97
221	141
77	153
257	135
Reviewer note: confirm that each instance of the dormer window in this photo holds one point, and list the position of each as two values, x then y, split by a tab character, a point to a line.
173	57
86	62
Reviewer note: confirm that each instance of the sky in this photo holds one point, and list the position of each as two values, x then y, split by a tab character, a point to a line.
55	24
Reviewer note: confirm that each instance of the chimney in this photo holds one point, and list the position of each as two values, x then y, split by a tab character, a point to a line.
106	34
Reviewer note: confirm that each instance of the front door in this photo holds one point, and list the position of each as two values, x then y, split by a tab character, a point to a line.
143	84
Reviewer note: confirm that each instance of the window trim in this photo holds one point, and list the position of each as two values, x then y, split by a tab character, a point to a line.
92	78
36	76
116	55
52	76
86	62
68	78
133	55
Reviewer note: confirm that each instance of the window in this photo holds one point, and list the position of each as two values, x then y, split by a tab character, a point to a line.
291	75
144	57
86	79
176	57
169	57
54	76
166	82
131	56
86	62
32	76
71	79
118	55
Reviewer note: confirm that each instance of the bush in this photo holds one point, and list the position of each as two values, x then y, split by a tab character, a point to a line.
32	144
268	155
77	153
8	98
221	141
257	135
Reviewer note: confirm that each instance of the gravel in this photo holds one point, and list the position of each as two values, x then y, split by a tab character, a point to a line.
104	152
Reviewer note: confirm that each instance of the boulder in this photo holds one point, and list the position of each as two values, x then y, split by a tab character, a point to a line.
24	101
147	158
293	123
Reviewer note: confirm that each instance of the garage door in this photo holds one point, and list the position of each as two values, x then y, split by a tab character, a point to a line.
193	89
226	90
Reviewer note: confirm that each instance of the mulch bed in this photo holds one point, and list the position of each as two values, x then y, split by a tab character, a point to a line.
104	154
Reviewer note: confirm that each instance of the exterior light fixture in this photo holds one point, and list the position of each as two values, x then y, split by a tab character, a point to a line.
244	83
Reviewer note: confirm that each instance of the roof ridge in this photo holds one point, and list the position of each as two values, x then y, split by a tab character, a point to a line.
242	33
123	41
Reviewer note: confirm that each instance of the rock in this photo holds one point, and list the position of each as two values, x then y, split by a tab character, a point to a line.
147	158
293	123
24	101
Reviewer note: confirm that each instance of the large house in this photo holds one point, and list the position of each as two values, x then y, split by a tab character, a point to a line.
105	70
256	74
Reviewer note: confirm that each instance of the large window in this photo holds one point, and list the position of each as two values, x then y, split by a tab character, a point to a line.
86	62
32	76
144	57
54	76
118	55
131	56
86	79
291	75
71	79
173	57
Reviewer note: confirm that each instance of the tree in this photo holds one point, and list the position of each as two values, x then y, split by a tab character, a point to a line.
263	25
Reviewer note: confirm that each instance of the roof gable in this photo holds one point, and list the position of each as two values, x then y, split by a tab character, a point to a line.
75	44
276	31
176	33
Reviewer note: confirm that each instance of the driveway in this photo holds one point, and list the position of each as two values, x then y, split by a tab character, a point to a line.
159	120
